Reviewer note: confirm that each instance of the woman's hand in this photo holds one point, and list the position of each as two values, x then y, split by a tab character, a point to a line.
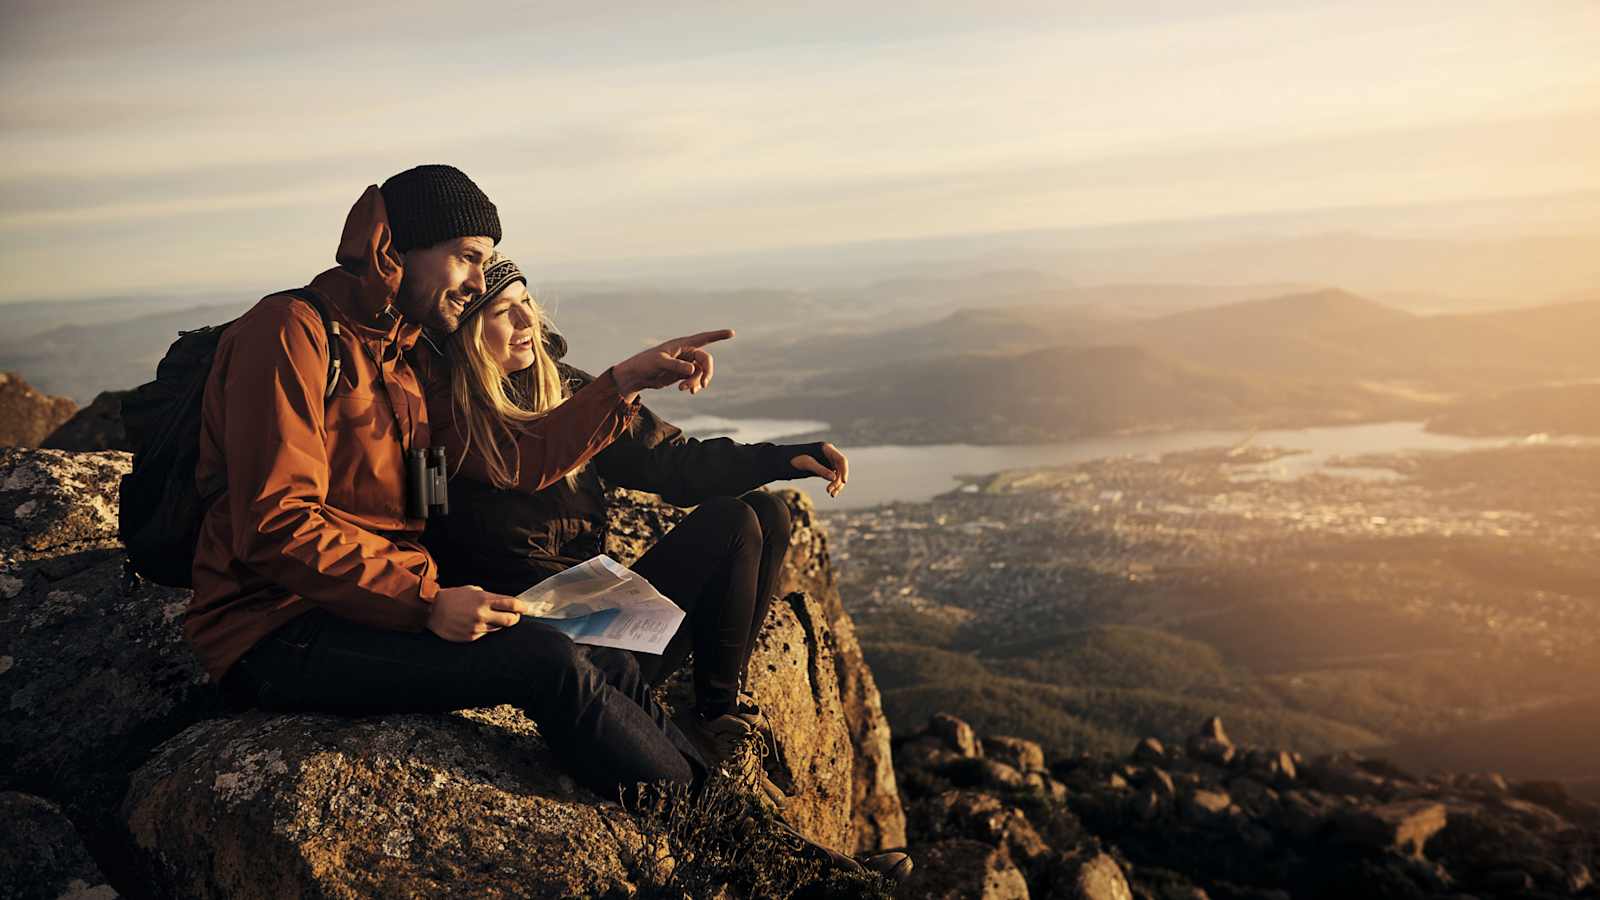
836	469
680	359
468	613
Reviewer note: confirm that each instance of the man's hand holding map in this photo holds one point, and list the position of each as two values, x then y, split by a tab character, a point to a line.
603	602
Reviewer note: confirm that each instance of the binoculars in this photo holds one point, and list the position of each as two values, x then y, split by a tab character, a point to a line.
427	489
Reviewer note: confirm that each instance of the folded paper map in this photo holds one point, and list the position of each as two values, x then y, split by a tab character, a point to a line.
605	603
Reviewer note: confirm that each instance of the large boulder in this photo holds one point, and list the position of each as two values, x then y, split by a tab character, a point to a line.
1404	827
472	803
877	817
1022	755
41	855
97	426
877	820
1092	877
792	675
26	415
92	674
962	869
980	817
317	806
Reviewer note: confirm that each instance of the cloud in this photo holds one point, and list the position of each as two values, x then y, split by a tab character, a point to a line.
612	130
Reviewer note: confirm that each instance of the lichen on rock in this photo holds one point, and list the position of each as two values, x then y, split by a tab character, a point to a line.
41	854
98	673
412	805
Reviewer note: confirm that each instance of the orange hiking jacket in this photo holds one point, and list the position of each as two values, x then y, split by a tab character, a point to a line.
313	511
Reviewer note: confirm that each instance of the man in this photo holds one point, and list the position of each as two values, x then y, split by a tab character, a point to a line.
311	589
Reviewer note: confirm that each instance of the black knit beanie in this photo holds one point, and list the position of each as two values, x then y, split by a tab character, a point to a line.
435	203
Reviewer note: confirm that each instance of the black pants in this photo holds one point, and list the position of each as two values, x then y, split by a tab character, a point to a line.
721	565
591	704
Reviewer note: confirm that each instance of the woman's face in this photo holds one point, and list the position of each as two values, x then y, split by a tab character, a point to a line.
510	326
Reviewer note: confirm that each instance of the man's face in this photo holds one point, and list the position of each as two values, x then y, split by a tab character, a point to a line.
438	281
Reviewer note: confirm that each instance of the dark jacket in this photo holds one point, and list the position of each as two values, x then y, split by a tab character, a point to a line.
509	540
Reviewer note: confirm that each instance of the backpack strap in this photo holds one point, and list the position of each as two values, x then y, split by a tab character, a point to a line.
213	486
331	328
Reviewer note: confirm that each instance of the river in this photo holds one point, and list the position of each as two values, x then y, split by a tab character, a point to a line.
899	473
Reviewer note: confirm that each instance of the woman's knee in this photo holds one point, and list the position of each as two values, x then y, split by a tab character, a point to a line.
772	514
733	517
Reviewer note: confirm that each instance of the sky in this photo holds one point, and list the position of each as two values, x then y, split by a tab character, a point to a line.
171	146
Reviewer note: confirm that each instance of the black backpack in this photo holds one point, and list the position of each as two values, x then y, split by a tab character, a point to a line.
161	504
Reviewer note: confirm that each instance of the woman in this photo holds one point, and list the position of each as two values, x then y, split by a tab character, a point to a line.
720	564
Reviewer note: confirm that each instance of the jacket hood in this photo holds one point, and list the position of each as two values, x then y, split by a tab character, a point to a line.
366	236
361	287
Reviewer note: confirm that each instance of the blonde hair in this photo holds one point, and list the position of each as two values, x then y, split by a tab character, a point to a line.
490	406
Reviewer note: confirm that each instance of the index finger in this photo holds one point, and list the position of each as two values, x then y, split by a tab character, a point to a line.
702	339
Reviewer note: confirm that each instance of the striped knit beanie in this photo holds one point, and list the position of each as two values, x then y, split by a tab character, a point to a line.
498	273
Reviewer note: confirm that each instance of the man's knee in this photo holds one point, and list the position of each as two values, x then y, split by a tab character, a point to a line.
553	679
532	649
620	667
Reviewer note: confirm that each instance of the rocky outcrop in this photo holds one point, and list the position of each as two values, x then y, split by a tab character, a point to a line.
470	803
97	426
959	869
94	677
318	806
41	855
967	793
1221	820
792	675
26	415
877	820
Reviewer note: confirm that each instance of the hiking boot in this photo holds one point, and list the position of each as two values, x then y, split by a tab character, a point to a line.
717	739
891	864
806	847
768	752
749	710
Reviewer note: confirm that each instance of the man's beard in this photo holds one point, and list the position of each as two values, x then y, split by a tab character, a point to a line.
432	312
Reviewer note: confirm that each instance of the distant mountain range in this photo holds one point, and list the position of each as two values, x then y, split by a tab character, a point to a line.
81	360
1059	393
81	348
1336	334
1005	356
1017	374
